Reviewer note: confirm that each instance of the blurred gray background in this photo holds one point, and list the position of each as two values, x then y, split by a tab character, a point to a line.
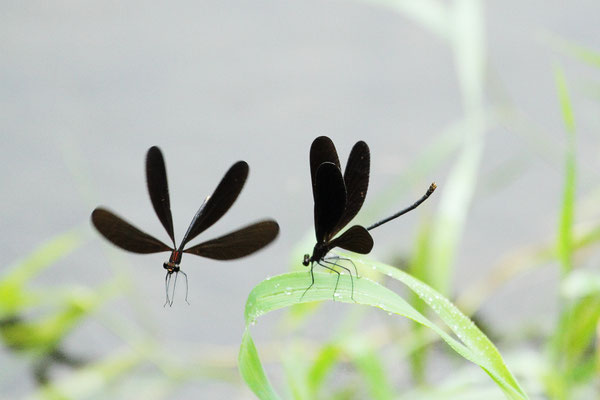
88	87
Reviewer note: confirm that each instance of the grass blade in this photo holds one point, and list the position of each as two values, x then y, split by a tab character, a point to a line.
285	290
565	231
583	53
252	371
459	323
12	284
468	44
372	369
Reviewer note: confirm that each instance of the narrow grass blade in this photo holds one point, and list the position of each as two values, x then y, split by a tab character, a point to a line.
582	319
296	367
583	53
12	291
468	44
322	365
252	371
369	365
581	283
418	269
565	231
522	260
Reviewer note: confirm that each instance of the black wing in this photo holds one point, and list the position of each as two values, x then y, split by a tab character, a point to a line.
322	150
239	243
125	235
156	178
356	239
356	178
330	200
221	200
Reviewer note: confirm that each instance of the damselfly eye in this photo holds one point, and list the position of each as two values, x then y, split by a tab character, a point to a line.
306	260
166	266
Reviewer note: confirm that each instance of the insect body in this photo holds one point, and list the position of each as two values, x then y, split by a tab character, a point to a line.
173	264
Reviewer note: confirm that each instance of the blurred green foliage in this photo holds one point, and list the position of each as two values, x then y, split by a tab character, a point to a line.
40	337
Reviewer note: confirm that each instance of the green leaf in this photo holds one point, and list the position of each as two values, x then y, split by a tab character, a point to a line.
372	369
524	259
296	368
418	269
580	283
565	231
583	53
252	371
323	364
13	295
286	290
43	334
563	346
45	255
456	194
460	324
582	319
89	381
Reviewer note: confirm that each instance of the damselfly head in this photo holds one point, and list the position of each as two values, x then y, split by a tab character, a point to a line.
171	267
306	260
